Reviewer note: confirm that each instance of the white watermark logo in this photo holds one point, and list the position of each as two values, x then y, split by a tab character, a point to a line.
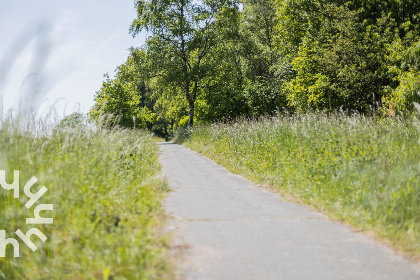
33	198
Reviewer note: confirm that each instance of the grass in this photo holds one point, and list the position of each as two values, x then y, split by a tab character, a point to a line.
357	169
107	204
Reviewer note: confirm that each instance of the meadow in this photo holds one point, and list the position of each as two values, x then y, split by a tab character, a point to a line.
361	170
106	193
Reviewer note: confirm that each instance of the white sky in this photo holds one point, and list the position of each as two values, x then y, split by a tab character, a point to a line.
56	51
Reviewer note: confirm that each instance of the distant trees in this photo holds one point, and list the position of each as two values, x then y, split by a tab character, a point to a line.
124	100
182	36
72	121
219	59
262	86
338	63
343	52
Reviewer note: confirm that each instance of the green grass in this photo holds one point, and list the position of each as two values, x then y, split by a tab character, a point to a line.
107	204
360	170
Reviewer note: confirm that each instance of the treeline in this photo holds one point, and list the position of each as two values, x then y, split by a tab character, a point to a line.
219	59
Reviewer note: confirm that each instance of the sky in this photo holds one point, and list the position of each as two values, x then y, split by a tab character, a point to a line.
54	53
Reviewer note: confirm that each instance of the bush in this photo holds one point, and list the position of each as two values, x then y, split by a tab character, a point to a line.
400	101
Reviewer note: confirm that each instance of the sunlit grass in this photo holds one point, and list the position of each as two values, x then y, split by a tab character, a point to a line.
361	170
107	204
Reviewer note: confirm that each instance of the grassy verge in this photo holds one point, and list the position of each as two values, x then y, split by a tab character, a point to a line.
107	205
360	170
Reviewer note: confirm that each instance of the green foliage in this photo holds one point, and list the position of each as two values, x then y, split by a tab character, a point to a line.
297	19
411	58
358	169
72	121
262	83
182	34
222	94
213	61
264	96
243	76
119	103
343	52
401	99
405	61
106	198
341	67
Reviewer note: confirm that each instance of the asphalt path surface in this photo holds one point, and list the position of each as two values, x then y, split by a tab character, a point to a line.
225	227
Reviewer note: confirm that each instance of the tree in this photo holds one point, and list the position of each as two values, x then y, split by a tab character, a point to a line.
213	60
72	121
119	101
262	84
341	67
242	76
182	34
221	96
341	50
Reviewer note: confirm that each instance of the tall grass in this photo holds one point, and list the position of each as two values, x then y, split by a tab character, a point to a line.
107	204
361	170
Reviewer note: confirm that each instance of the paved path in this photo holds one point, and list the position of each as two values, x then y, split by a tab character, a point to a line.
227	228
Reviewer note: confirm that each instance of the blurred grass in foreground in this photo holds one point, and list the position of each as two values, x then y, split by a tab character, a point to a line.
358	169
107	204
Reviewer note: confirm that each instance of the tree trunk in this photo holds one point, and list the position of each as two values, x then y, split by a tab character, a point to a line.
191	103
191	116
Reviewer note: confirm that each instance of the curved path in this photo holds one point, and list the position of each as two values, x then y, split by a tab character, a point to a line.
227	228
